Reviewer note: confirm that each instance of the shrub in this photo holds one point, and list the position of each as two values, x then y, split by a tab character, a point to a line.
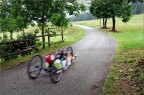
22	42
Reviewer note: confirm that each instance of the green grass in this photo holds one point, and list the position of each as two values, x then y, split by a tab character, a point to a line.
73	34
126	76
28	30
130	35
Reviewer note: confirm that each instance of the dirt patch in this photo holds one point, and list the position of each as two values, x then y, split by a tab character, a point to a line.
94	87
141	64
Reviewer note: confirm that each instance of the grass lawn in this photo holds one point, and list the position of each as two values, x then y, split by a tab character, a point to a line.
127	72
72	35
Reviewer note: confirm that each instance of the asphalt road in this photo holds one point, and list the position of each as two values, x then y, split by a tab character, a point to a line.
85	77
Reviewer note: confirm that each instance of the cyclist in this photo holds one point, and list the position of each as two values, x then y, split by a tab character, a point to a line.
66	58
69	58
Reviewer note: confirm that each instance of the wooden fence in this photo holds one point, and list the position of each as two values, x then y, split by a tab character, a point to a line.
28	48
15	48
48	35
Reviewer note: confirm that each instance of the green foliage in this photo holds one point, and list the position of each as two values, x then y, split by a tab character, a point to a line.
111	9
126	12
15	15
60	20
54	11
101	8
78	34
10	18
9	46
51	11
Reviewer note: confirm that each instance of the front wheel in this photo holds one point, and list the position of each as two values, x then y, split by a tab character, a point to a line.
34	67
56	71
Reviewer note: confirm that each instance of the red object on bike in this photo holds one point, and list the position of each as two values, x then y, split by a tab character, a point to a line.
50	58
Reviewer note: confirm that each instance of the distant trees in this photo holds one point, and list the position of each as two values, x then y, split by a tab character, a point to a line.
82	17
138	8
111	9
133	1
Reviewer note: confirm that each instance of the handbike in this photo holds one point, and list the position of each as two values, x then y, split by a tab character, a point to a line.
52	65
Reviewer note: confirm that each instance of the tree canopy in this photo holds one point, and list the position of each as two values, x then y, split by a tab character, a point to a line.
41	12
10	20
111	9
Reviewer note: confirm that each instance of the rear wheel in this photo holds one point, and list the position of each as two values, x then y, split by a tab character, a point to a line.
56	73
34	67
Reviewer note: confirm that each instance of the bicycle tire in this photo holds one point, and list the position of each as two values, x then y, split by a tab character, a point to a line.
54	76
35	63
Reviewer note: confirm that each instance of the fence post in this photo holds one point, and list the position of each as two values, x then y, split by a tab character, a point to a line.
49	38
62	35
1	60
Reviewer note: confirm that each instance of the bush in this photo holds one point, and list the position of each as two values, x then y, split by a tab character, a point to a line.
22	42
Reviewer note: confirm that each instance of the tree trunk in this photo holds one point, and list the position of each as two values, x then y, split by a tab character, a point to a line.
43	26
113	20
49	39
11	35
62	36
104	23
100	22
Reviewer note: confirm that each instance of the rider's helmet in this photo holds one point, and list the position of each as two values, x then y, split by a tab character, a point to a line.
62	55
50	58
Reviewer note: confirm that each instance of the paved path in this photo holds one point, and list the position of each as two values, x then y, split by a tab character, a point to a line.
85	77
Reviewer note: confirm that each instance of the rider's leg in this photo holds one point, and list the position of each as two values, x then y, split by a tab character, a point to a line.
64	63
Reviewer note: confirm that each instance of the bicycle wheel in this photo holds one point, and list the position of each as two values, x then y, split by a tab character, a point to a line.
56	71
70	50
34	67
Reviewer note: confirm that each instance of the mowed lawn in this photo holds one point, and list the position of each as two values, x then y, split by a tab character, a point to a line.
127	72
70	34
130	35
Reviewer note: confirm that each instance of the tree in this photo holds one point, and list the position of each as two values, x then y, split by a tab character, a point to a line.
10	20
101	9
122	10
54	11
111	9
18	14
